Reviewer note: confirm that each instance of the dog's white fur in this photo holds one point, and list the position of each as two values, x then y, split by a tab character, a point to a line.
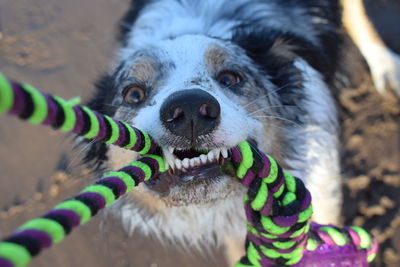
163	19
317	156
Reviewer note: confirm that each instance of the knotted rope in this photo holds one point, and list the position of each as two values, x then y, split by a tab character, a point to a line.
277	205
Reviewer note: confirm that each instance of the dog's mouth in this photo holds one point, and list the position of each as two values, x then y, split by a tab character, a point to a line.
191	159
188	167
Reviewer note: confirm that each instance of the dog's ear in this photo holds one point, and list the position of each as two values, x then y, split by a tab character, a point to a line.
125	24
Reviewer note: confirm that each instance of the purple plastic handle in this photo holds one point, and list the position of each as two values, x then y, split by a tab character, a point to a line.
334	256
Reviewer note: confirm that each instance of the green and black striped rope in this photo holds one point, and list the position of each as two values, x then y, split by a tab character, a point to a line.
278	208
36	107
51	228
277	205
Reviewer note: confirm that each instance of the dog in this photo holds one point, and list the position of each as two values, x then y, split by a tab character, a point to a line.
202	76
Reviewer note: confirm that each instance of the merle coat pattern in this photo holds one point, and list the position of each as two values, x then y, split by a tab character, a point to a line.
285	54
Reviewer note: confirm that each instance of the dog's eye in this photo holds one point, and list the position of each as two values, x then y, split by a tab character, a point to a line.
228	78
133	94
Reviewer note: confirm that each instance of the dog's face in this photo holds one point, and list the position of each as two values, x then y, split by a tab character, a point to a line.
197	97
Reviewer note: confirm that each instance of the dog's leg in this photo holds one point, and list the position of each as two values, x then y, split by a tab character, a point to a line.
313	148
383	63
234	249
316	161
322	175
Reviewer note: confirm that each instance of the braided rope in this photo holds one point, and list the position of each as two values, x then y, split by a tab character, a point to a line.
278	208
36	107
277	205
51	228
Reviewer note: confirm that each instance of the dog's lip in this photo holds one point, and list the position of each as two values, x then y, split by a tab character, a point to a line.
201	175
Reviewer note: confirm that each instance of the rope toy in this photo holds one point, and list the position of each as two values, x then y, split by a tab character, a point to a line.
277	205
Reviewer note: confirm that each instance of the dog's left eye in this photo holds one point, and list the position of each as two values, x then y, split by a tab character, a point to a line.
228	78
133	94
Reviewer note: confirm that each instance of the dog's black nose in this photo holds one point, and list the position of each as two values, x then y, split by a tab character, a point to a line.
190	113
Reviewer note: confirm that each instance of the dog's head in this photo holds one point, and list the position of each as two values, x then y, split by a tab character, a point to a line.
198	97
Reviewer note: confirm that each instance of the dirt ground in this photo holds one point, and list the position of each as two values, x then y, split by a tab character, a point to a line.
62	47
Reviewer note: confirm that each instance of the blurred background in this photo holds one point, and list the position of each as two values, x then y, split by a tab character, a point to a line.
63	46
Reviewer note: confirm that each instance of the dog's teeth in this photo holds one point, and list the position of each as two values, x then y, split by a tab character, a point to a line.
192	162
171	149
224	152
203	158
197	161
216	152
210	156
185	163
169	158
178	163
172	164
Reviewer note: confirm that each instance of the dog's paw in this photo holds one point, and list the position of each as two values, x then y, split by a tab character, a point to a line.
385	68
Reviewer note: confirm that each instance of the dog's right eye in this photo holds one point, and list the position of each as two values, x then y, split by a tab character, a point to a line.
133	94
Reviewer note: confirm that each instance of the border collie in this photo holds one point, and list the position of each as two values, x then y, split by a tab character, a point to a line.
201	76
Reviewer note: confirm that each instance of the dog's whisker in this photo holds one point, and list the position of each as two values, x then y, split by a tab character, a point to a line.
279	118
255	149
284	129
115	106
255	100
106	109
126	111
280	88
266	95
79	153
271	107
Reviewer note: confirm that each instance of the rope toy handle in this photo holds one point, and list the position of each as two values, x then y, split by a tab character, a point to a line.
278	211
277	205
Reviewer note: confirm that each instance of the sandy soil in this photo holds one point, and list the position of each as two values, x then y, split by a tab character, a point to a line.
62	46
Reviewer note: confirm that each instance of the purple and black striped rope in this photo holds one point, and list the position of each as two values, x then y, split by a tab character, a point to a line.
31	238
29	104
